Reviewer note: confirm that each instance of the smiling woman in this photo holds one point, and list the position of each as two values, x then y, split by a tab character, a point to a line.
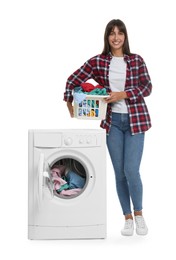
126	79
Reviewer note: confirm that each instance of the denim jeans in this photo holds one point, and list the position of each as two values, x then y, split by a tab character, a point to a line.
126	152
74	180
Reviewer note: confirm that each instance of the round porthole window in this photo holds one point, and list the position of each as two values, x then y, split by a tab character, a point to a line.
69	178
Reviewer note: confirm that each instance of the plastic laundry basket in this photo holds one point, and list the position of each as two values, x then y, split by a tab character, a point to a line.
93	107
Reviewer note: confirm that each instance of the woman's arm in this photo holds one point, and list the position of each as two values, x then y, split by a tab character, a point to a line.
79	76
144	87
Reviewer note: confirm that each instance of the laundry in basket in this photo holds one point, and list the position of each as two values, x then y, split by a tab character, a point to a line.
89	102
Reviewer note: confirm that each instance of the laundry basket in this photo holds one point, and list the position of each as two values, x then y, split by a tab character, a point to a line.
93	107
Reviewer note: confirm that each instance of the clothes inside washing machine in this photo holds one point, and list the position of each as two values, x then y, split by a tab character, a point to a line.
68	177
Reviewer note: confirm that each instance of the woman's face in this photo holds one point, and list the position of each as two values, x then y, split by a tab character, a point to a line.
116	40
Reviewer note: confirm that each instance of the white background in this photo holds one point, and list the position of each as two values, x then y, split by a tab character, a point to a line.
42	43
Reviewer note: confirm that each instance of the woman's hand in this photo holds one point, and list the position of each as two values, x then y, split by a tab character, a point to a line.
115	96
70	108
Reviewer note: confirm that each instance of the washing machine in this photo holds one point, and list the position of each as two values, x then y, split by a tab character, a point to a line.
52	215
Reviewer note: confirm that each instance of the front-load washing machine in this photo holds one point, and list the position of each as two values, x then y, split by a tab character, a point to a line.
74	215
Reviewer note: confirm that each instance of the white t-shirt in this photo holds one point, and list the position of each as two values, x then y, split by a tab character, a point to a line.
117	79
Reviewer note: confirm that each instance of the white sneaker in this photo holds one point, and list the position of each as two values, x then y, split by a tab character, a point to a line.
128	228
141	227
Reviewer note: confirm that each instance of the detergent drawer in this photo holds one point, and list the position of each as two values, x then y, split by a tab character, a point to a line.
47	140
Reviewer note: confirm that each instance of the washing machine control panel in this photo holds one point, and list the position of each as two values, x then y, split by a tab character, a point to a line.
81	140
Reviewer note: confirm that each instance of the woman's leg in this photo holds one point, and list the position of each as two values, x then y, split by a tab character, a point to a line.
115	143
133	149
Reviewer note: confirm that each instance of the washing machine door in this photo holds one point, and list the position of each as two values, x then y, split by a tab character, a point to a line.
44	179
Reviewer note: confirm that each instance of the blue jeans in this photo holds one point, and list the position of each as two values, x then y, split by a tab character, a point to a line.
74	180
126	152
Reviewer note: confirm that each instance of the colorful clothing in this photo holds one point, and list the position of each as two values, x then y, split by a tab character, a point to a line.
71	184
138	85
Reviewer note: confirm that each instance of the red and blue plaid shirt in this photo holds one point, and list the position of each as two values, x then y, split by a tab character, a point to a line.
138	85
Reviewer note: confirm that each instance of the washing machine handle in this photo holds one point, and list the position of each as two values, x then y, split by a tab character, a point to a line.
46	174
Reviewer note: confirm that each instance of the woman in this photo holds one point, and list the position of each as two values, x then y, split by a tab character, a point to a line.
126	78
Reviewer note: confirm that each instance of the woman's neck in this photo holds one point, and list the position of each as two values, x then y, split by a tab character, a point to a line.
117	53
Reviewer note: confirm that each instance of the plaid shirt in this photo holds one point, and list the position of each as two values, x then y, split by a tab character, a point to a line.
138	85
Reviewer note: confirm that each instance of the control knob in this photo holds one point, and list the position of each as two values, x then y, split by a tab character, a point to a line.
68	141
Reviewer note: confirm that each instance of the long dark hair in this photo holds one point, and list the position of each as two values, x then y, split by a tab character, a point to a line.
122	28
